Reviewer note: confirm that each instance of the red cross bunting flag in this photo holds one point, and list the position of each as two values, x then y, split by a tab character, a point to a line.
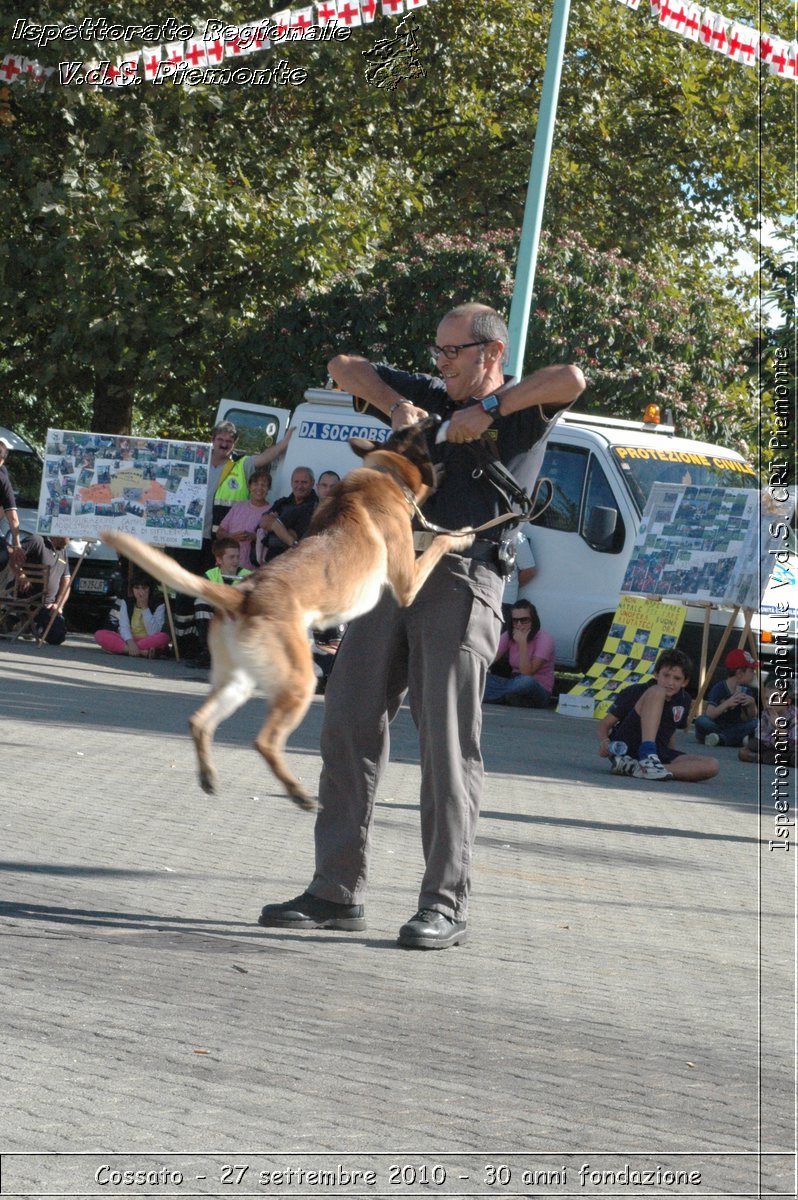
151	62
173	53
734	40
252	36
349	13
215	52
743	44
128	68
280	23
692	22
11	67
780	63
301	19
195	54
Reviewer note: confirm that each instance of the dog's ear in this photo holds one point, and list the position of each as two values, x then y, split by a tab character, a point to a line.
431	421
415	436
438	473
362	446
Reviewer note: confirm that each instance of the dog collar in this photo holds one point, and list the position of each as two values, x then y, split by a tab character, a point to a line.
406	492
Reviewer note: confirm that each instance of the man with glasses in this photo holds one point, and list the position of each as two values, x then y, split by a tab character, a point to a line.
439	649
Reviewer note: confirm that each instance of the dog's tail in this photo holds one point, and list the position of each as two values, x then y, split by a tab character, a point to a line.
166	570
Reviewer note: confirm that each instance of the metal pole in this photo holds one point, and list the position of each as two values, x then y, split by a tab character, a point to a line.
536	192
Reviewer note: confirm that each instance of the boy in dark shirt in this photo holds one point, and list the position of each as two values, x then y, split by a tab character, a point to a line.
645	717
731	713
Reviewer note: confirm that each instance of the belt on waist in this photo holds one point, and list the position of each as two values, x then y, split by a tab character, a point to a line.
482	551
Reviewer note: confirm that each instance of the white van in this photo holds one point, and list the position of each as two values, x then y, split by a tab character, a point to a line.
602	470
322	426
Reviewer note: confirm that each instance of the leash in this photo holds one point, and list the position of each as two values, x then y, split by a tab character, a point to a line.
508	484
517	495
528	514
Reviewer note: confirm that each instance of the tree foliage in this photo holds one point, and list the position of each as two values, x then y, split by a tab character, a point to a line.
154	233
639	338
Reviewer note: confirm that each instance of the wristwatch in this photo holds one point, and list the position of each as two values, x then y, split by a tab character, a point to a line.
490	405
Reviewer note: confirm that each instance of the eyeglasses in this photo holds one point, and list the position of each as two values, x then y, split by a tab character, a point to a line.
452	351
522	620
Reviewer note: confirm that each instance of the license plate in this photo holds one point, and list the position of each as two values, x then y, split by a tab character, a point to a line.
92	585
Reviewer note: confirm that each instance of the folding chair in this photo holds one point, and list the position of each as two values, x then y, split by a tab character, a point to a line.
20	605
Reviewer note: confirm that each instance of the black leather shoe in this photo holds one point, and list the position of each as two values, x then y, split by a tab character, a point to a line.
311	912
431	930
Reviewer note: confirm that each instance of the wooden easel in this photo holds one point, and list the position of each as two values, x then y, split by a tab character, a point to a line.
57	611
60	608
167	601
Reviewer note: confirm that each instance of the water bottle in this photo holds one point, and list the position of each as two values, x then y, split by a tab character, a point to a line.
617	749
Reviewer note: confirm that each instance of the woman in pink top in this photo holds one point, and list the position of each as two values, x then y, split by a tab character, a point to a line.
523	673
243	518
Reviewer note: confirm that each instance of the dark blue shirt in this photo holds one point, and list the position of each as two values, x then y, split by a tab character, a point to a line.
461	499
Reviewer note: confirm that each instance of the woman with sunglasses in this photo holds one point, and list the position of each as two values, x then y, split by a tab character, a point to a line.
522	674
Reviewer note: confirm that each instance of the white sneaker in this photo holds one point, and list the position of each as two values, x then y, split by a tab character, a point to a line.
712	739
652	768
624	764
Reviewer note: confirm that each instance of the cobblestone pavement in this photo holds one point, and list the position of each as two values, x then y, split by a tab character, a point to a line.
628	986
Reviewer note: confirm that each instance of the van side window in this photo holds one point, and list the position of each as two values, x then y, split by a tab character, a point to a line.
565	466
599	495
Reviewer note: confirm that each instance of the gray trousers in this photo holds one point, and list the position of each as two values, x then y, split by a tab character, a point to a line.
440	649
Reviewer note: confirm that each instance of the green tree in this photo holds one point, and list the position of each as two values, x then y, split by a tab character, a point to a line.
153	231
775	370
639	338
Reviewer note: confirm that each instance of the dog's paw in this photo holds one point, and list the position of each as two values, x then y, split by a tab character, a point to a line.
458	544
209	782
303	799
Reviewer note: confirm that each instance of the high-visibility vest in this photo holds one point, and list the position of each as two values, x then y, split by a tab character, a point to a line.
215	575
233	483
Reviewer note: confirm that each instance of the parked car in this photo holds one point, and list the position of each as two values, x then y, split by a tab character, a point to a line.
100	578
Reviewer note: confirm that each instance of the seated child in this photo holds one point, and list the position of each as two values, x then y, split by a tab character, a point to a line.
731	704
777	730
522	674
644	719
227	556
139	622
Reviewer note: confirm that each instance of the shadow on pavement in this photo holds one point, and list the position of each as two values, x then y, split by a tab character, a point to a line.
216	934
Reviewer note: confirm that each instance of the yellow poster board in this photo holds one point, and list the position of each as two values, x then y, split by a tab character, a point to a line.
641	630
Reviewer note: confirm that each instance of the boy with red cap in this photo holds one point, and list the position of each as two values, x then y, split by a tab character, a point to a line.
731	705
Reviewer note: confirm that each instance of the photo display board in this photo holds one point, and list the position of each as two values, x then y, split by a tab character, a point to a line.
154	488
707	544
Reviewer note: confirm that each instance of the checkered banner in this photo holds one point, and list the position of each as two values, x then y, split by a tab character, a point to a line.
641	630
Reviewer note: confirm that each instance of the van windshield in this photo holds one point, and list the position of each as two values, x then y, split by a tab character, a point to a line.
642	468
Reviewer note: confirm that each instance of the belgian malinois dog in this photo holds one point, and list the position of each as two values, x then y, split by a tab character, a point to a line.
359	542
